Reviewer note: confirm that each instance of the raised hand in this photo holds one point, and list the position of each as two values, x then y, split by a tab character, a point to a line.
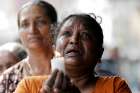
57	82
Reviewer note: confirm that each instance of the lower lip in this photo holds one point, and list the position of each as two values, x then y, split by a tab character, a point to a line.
73	54
34	39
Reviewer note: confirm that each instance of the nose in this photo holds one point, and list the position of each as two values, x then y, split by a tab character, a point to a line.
74	38
33	28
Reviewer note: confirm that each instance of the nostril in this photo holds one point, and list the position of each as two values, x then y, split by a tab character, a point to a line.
74	42
74	38
33	29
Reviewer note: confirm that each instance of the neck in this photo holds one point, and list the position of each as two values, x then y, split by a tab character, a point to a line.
39	63
86	83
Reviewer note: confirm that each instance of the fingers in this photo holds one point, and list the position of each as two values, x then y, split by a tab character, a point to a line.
46	89
66	83
51	79
59	80
56	83
48	84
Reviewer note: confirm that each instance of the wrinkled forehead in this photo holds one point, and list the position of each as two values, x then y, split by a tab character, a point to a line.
73	22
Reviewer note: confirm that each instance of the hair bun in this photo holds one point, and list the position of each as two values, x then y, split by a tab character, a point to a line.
97	18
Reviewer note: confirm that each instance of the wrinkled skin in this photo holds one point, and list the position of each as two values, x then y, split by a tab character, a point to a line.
78	46
74	43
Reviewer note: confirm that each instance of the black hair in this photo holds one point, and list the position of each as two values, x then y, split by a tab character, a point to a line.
49	10
89	23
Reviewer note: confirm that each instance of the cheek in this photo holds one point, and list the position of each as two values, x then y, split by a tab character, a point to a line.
88	46
45	34
44	31
23	37
90	49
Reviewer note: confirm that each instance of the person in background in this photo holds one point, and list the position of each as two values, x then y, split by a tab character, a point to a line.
10	54
36	21
7	59
80	42
16	48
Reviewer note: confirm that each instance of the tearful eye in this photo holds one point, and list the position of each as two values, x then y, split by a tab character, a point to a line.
85	36
66	33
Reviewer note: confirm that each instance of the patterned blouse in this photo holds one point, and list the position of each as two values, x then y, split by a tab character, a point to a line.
11	77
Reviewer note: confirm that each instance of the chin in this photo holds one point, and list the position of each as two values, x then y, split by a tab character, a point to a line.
73	61
74	71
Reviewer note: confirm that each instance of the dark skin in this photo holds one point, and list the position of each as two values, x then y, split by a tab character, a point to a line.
57	83
78	46
34	28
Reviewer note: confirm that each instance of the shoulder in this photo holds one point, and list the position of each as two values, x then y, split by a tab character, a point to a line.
115	83
10	77
13	72
14	69
115	80
18	66
111	78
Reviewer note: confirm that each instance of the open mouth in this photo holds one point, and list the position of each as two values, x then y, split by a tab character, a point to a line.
73	53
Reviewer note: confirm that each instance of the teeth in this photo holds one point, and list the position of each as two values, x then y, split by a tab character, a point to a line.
72	51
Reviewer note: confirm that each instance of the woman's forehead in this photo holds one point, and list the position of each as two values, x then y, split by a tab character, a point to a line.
32	8
73	22
31	12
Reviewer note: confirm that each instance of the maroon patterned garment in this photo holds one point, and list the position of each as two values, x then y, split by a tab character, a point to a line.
11	77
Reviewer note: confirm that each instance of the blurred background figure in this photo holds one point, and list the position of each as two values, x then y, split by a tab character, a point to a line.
10	54
36	21
7	59
109	65
16	48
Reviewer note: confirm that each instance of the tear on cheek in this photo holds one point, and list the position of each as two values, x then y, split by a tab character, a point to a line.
60	40
60	43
